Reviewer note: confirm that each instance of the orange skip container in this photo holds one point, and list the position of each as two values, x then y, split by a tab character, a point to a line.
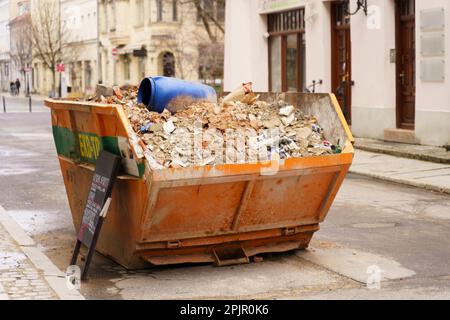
221	214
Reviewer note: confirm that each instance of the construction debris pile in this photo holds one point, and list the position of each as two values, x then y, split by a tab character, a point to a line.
205	133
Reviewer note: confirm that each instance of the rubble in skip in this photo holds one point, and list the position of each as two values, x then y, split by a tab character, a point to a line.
205	133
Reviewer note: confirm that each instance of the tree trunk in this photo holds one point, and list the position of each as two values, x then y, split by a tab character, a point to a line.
24	82
53	82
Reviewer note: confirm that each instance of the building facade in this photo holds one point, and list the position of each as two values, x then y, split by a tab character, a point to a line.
157	37
80	18
119	42
79	69
388	62
15	44
4	45
21	44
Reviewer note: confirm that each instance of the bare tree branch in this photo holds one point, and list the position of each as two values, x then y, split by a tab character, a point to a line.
47	34
217	4
21	44
206	17
51	37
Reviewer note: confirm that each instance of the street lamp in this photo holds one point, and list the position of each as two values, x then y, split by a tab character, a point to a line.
360	4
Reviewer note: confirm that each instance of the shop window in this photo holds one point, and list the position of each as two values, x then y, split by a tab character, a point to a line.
167	63
126	68
87	75
75	76
287	51
142	67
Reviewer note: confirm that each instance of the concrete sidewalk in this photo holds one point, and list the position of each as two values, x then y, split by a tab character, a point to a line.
417	173
411	151
21	104
22	95
26	273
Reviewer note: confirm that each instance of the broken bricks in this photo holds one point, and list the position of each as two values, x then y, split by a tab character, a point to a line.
240	131
103	91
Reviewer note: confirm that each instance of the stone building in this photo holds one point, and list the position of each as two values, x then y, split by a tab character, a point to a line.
20	44
387	61
79	44
122	41
157	37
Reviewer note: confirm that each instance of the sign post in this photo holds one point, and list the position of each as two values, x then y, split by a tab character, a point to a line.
114	52
60	68
97	205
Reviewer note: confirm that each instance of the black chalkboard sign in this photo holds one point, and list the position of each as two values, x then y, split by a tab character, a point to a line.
99	198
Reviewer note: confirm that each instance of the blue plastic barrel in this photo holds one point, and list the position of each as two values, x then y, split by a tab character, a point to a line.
158	93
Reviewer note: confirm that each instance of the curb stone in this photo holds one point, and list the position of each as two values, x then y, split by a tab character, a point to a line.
55	278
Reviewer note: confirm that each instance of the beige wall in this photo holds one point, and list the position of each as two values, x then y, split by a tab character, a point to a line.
246	53
374	92
433	99
317	16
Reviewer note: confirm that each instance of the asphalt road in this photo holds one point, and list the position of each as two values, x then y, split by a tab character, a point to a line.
373	228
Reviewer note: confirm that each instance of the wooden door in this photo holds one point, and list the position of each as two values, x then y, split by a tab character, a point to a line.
341	55
406	64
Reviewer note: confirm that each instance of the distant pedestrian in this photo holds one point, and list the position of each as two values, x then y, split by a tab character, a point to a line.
12	86
18	86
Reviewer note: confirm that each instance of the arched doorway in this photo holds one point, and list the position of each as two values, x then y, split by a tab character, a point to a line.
167	64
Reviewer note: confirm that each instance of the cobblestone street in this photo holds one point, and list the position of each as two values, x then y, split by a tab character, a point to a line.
19	278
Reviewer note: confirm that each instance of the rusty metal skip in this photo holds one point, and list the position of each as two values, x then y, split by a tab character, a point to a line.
222	214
